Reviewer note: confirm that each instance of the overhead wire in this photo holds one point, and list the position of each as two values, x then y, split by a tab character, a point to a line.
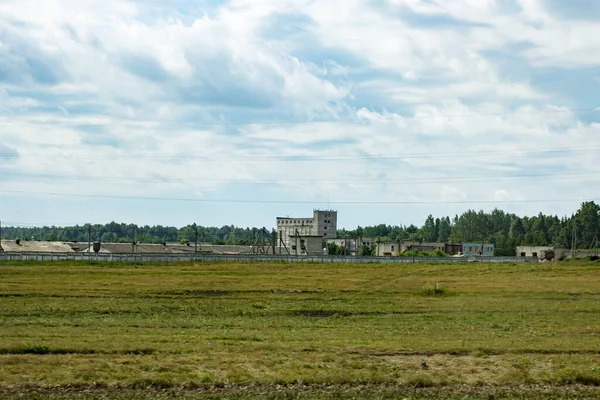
67	156
266	201
362	181
155	124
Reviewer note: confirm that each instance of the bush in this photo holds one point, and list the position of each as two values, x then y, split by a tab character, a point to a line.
434	290
438	253
417	253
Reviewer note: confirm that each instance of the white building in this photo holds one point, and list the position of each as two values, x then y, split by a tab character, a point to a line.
323	224
554	253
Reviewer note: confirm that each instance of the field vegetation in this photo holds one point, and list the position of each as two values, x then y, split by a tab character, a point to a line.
275	330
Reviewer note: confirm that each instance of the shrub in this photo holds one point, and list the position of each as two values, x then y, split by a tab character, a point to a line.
438	253
417	253
434	290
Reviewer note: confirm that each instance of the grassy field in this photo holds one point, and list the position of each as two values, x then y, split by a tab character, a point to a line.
270	330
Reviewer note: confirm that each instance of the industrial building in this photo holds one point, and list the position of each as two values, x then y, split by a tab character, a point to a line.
542	252
478	249
290	231
394	247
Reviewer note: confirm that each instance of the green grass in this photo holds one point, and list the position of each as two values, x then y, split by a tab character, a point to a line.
299	330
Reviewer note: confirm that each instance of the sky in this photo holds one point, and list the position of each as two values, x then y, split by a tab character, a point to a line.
236	112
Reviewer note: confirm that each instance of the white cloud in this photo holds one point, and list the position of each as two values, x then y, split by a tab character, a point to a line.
112	90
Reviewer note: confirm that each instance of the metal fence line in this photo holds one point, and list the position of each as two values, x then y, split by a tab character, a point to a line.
168	258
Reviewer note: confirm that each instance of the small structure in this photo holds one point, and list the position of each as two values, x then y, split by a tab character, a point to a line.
543	253
306	245
478	249
453	248
422	246
387	248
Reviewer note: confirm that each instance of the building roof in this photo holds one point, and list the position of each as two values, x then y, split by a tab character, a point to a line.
118	248
26	246
122	248
126	248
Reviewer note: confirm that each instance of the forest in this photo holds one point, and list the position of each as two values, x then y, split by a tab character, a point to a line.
504	230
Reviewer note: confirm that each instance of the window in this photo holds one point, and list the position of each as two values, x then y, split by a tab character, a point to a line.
392	247
325	228
534	254
522	254
293	247
325	234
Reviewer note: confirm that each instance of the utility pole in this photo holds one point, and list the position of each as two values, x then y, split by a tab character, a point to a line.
196	240
573	243
89	237
273	240
575	238
133	242
592	249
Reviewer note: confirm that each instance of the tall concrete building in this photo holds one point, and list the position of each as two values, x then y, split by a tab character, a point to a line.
323	224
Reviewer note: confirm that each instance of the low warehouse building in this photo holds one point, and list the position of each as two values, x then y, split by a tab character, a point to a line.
27	246
542	252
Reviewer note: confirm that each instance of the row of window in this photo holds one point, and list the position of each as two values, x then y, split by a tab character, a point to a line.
295	222
478	248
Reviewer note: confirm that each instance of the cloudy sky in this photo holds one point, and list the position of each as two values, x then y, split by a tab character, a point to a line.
235	112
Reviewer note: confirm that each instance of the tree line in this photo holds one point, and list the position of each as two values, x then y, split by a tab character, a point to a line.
114	232
504	230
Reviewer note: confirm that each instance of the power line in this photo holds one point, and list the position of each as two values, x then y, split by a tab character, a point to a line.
15	224
154	124
362	181
249	201
309	157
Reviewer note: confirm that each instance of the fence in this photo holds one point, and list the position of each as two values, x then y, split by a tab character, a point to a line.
168	258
